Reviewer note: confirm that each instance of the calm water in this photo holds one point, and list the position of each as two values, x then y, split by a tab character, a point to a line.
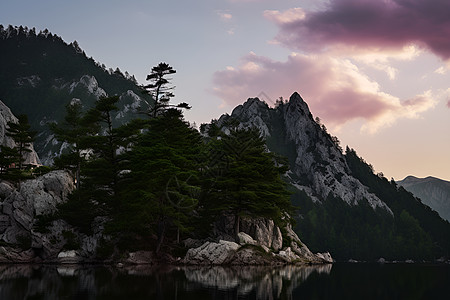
338	281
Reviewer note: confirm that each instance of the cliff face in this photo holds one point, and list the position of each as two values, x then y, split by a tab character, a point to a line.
317	164
432	191
7	116
20	210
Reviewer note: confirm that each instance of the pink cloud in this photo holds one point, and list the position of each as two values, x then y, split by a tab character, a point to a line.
448	104
335	89
360	25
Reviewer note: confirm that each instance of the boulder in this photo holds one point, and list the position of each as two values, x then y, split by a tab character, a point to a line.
21	207
68	257
140	257
211	253
263	231
288	255
246	239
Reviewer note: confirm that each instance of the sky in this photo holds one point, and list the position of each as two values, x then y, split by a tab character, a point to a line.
377	73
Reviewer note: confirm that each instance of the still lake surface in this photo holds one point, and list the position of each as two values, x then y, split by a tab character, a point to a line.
337	281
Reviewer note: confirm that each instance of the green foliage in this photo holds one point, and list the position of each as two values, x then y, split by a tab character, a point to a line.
72	241
245	179
160	90
105	249
41	170
79	211
72	131
164	179
23	136
8	156
43	222
24	241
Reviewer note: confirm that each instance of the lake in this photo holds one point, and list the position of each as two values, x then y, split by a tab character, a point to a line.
338	281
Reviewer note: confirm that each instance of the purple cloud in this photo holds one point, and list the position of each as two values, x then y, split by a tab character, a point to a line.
359	25
335	89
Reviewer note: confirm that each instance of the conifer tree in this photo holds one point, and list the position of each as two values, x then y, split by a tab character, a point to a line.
249	182
160	89
72	131
8	156
23	136
164	176
101	171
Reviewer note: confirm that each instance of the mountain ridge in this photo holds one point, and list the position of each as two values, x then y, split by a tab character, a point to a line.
433	191
41	74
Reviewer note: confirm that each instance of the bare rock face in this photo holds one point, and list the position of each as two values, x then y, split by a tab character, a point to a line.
316	156
260	243
211	253
7	116
264	232
20	209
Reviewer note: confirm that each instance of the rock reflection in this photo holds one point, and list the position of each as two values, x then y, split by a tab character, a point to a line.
266	282
151	282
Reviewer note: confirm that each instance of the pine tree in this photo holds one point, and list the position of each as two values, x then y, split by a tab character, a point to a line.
23	136
72	131
248	180
101	171
8	156
164	176
160	89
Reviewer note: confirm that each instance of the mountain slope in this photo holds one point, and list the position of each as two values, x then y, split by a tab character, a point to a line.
434	192
344	207
41	73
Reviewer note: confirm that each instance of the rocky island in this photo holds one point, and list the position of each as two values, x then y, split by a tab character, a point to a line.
260	243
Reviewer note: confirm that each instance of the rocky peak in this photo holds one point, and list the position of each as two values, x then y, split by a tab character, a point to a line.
297	104
317	164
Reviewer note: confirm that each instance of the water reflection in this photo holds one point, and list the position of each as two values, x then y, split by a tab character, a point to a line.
146	282
338	281
264	282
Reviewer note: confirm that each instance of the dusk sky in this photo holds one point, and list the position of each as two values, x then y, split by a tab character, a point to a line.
376	72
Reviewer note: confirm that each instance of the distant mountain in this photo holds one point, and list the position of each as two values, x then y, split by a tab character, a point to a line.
40	74
344	207
434	192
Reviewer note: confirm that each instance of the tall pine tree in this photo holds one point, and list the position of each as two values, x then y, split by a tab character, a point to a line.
248	182
164	177
23	136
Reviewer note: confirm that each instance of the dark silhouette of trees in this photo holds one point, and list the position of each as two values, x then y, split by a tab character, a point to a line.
161	90
23	136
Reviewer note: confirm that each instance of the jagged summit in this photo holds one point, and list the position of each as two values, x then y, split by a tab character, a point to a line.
318	166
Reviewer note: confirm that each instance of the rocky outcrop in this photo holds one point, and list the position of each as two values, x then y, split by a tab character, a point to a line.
264	232
20	210
211	253
260	243
7	116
